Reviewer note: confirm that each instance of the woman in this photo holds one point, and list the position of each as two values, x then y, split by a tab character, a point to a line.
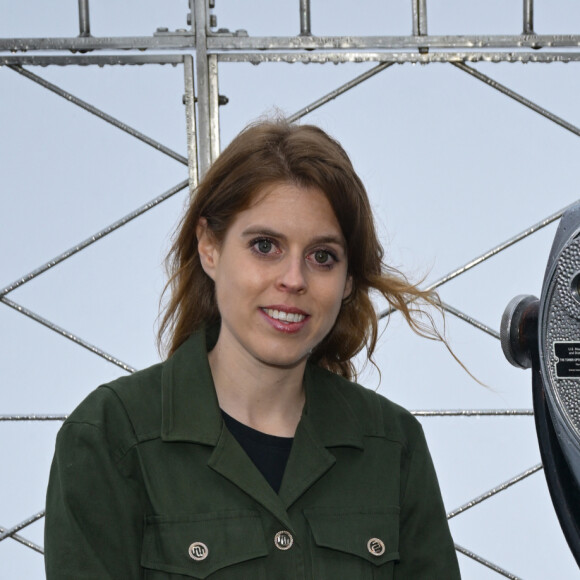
248	453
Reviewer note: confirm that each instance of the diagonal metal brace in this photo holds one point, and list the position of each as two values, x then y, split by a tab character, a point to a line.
494	491
92	239
517	97
486	563
97	112
9	533
59	330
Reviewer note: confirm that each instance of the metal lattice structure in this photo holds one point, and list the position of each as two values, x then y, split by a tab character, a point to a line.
199	50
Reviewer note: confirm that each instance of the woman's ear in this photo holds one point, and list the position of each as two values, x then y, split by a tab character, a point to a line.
207	248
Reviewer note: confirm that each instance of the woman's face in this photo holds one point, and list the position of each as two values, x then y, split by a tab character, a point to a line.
280	276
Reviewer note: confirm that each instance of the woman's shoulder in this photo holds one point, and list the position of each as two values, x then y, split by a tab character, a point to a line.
377	414
125	409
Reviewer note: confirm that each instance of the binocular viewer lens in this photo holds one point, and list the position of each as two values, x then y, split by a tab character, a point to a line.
544	335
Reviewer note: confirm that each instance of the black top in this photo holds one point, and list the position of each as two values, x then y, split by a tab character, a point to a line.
268	452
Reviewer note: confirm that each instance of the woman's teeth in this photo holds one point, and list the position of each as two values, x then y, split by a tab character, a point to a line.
284	316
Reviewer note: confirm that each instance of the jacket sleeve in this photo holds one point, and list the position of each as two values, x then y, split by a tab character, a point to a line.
94	523
425	545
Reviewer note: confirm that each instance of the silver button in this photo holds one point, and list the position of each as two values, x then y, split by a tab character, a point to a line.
376	547
198	551
283	540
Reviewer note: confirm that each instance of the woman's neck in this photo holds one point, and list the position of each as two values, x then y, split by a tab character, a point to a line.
267	398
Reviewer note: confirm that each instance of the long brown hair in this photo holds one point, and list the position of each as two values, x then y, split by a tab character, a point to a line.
304	155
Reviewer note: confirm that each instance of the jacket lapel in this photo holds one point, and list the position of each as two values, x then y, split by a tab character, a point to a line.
190	412
327	421
230	460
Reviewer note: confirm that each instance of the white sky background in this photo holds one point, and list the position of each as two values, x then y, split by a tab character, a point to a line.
452	166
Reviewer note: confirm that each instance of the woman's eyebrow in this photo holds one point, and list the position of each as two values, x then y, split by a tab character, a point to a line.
267	232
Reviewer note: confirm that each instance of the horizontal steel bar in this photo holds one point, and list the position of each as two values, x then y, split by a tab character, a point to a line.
306	57
474	413
67	334
239	40
515	42
8	533
397	57
86	60
517	97
33	417
494	491
90	43
485	562
25	542
100	114
339	91
92	239
465	317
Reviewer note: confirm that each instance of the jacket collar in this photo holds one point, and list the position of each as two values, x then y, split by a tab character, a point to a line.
190	409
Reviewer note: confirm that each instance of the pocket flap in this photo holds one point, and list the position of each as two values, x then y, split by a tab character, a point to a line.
217	540
372	534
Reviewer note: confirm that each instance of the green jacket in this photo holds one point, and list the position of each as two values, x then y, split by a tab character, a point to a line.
147	483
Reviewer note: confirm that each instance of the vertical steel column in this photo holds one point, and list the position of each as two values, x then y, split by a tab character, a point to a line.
420	20
202	69
191	125
84	20
305	18
529	17
419	17
214	110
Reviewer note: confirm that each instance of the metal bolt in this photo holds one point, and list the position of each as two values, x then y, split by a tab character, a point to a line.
189	18
212	4
212	20
162	29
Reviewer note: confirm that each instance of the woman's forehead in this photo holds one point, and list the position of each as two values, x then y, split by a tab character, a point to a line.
288	206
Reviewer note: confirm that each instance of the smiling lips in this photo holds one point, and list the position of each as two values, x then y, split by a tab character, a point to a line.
284	316
288	320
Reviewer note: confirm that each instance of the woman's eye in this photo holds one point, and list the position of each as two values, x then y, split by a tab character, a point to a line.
321	256
264	246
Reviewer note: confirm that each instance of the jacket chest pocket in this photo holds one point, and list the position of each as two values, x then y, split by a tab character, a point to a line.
217	546
354	544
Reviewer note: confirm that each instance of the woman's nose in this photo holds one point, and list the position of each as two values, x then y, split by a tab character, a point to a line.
292	277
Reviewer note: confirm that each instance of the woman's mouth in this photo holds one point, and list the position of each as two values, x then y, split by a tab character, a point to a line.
284	316
285	321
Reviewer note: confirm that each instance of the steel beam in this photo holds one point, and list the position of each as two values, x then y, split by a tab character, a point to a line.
84	19
91	59
486	563
100	114
489	254
528	16
92	239
305	23
59	330
240	41
517	97
190	122
339	91
397	57
203	98
214	118
466	318
494	491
